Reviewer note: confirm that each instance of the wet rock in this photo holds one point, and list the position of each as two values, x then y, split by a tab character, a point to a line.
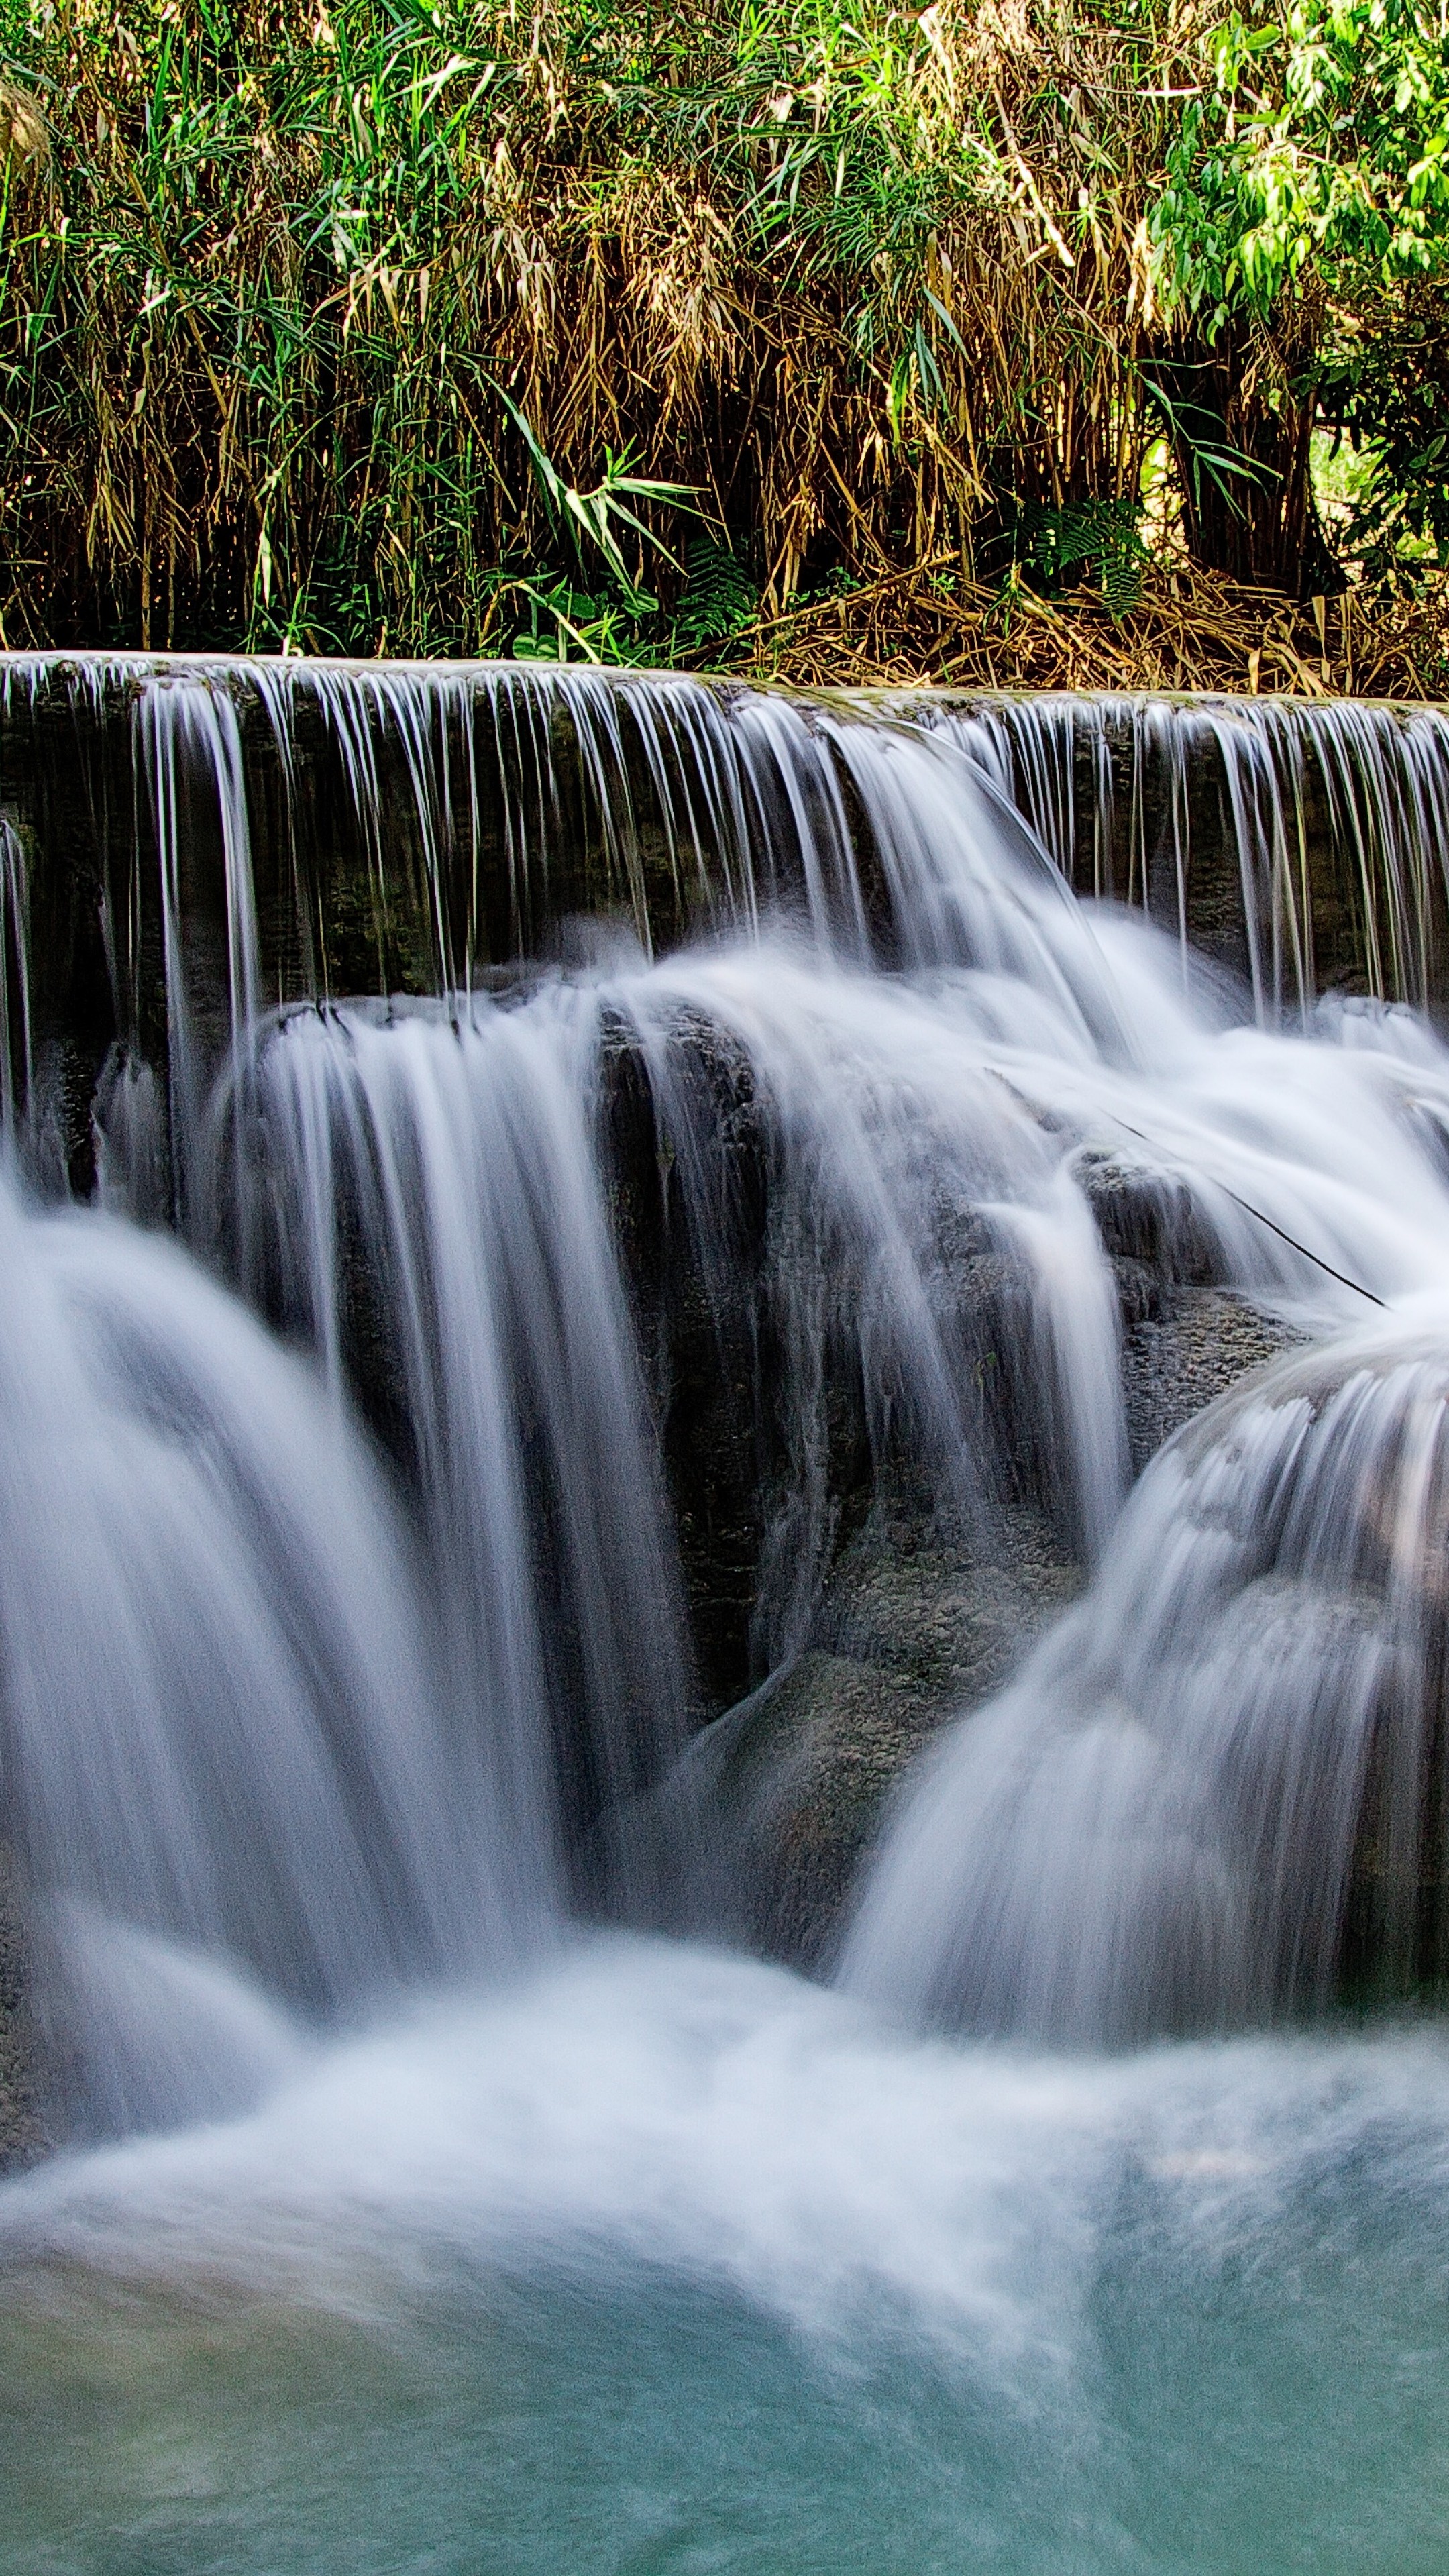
1149	1217
1188	1351
1186	1336
22	2135
911	1632
688	1161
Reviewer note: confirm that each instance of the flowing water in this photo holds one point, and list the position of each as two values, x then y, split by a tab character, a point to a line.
437	2185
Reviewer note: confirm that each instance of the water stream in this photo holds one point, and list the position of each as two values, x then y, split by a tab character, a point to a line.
436	2181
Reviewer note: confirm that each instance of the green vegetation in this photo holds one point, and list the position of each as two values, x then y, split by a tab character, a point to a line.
633	333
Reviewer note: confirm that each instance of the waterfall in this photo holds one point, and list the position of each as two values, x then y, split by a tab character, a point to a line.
224	1719
416	827
1317	812
724	1443
1229	1763
432	1214
619	1131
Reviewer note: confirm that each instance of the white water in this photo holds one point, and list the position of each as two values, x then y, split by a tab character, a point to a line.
650	2104
338	1760
457	1158
666	2257
223	1713
1158	1823
308	1753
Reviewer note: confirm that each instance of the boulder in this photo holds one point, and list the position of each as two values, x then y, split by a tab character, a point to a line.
913	1627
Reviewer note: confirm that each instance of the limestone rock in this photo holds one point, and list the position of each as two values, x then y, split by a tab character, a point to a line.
1197	1344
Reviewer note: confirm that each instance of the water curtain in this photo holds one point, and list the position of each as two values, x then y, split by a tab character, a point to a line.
619	1130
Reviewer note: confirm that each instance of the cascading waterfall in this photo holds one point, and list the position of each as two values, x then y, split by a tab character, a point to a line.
1276	782
223	1713
944	1075
516	1183
419	824
433	1213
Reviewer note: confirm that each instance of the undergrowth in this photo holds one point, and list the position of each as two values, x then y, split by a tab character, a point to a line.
751	340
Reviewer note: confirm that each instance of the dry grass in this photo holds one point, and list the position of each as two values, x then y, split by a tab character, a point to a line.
1191	631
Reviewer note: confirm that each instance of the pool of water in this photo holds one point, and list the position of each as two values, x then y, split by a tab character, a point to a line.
668	2260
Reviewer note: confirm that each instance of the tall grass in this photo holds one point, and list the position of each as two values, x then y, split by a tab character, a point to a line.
363	325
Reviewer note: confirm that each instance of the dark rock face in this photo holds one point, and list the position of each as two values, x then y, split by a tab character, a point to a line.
689	1179
1150	1219
22	2134
915	1629
911	1631
1187	1336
